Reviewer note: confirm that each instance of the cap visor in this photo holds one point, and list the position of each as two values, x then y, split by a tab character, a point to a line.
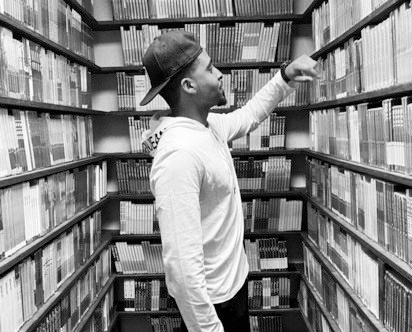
153	93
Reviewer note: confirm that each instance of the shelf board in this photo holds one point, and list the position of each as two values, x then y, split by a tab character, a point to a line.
269	234
307	324
254	275
294	193
42	172
135	237
373	171
270	312
387	257
95	302
115	25
149	313
10	261
87	17
113	321
243	65
307	14
21	30
14	103
279	110
322	307
372	96
61	291
375	17
344	285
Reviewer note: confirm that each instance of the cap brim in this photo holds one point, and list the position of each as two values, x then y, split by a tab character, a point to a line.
153	93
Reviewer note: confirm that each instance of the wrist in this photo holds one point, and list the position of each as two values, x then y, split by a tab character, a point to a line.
283	66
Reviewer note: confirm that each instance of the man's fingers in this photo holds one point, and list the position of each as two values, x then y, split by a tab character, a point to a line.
311	72
303	78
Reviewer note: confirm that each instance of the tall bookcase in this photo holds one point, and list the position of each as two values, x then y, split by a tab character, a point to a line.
112	137
337	231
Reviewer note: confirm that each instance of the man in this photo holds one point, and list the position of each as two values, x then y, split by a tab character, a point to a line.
193	179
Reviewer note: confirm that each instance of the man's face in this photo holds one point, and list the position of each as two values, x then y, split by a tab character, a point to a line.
209	81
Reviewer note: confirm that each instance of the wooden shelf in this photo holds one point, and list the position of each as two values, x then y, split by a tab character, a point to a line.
307	14
344	285
115	25
21	30
45	107
243	65
134	237
149	313
279	110
372	96
42	172
322	307
269	234
392	260
270	312
294	193
292	272
307	324
62	290
87	17
372	171
95	302
375	17
113	321
10	261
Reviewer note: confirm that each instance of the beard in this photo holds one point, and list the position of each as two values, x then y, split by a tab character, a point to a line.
222	101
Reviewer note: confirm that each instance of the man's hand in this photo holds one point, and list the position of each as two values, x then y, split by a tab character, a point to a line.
302	69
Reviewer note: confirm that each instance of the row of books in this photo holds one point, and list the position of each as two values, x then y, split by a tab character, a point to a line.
102	315
269	174
55	20
165	323
335	300
143	295
40	276
135	9
379	59
274	214
240	85
266	323
70	309
311	309
269	293
23	291
32	140
133	176
269	254
378	136
334	17
269	135
138	258
29	210
348	256
244	42
138	218
30	72
374	207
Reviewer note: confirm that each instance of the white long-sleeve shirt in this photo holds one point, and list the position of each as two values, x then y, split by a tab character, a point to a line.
199	207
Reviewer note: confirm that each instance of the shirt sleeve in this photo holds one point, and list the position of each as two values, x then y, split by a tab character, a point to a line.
176	182
246	119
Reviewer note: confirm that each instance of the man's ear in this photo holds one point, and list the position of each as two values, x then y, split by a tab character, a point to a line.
189	85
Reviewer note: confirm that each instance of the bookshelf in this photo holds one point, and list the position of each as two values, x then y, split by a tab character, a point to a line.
388	262
52	301
86	15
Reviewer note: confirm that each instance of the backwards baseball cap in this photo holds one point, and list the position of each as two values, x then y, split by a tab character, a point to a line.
166	56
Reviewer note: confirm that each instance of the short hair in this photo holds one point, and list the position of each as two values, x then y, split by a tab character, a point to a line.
170	91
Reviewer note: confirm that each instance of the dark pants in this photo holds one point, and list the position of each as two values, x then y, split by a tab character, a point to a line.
234	313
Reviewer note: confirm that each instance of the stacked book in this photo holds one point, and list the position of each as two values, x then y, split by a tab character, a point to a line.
30	72
269	293
55	20
270	174
266	254
165	323
137	9
133	176
31	209
274	214
266	323
32	140
138	218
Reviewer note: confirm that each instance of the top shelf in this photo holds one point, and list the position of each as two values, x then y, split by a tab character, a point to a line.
21	30
115	25
375	17
87	17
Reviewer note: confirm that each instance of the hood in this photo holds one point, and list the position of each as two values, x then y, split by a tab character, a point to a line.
159	124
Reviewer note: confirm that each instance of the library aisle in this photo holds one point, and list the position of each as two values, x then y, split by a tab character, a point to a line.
325	180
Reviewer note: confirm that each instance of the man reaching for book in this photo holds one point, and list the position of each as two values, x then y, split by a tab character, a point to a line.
193	179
